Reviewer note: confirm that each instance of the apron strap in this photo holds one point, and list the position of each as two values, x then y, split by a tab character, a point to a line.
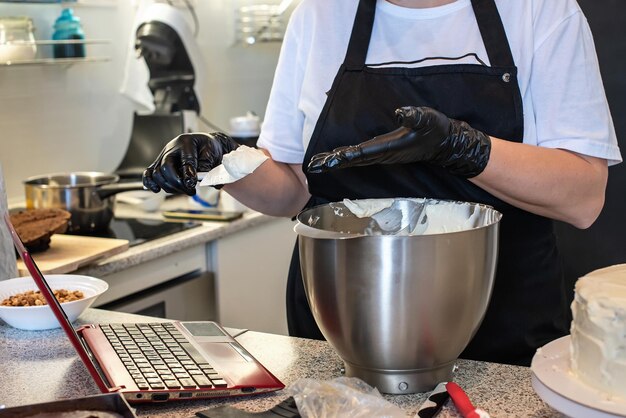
361	34
493	33
487	16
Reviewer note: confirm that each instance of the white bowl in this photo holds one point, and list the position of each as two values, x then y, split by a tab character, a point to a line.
41	317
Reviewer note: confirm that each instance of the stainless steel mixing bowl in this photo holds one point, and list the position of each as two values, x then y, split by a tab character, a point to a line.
398	310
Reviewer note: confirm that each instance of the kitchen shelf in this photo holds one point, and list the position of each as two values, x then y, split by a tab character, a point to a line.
35	1
66	3
52	60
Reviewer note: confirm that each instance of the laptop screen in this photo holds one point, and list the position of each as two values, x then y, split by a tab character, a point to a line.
54	304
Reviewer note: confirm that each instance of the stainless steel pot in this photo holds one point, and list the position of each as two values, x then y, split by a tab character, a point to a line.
88	196
398	310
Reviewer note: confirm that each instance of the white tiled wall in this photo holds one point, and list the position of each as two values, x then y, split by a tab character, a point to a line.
59	119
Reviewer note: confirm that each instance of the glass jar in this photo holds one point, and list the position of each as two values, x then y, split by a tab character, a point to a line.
17	39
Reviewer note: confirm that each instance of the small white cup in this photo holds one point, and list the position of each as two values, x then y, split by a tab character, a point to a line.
247	126
205	197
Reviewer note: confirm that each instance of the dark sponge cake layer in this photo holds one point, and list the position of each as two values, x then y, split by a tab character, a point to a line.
36	226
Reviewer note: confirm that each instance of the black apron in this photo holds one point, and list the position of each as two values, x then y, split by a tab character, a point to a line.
527	307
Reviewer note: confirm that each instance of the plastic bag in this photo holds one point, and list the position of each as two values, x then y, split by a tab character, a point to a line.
341	397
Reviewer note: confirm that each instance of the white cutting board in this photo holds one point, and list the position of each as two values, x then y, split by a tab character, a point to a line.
69	252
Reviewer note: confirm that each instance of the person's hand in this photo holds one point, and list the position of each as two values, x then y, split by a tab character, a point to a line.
175	169
425	135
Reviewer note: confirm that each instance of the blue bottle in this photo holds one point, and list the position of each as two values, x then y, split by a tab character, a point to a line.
68	27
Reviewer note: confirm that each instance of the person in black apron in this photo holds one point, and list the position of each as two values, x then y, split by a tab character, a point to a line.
527	307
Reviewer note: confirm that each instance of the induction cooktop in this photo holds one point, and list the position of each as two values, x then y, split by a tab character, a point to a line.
137	231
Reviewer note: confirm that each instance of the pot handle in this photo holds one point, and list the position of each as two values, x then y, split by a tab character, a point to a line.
109	190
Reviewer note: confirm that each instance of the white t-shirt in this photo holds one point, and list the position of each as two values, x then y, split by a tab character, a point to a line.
558	74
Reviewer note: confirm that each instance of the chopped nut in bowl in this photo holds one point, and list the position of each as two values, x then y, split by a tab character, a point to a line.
23	306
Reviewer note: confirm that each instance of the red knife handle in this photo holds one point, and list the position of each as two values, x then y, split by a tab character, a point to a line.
461	401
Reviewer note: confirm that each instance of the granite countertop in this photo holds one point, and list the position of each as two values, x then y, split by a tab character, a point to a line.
178	241
42	366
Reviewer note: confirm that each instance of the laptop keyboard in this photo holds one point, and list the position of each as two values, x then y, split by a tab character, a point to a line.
159	356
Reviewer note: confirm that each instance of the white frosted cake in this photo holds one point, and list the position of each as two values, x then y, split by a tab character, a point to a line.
598	332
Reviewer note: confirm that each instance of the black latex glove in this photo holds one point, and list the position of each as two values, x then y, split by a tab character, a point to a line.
175	169
425	135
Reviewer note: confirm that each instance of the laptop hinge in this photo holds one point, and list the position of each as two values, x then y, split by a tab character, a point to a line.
95	364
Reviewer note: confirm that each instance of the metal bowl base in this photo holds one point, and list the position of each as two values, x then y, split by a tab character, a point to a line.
402	382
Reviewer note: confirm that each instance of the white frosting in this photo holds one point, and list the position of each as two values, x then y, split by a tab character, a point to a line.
235	165
434	216
598	331
367	207
449	217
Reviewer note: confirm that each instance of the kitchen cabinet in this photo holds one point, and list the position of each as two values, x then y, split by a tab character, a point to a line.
243	264
251	276
174	286
153	273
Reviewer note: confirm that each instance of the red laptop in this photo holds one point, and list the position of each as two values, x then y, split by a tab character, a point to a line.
157	362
